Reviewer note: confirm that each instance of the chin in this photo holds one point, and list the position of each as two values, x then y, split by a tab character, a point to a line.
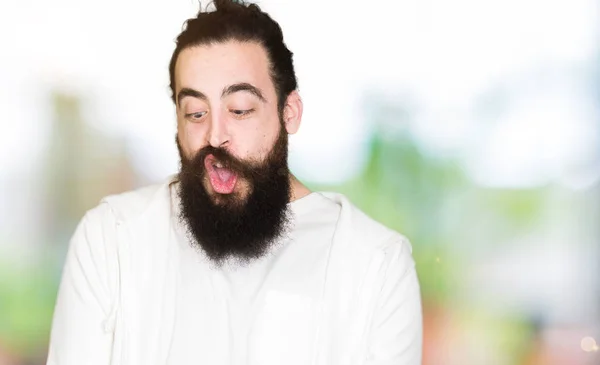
238	197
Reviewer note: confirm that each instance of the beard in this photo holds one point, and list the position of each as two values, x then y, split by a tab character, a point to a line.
243	225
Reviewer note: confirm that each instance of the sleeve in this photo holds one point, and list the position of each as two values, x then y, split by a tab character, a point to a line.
81	331
396	336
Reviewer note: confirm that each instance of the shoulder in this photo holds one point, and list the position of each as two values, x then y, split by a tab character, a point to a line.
101	221
130	205
96	234
364	232
368	263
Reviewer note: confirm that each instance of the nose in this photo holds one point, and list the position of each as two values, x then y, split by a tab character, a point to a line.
218	135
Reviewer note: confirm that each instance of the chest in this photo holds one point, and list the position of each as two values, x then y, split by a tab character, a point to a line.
273	328
302	305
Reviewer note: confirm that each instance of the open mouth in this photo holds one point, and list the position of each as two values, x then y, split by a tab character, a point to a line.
222	179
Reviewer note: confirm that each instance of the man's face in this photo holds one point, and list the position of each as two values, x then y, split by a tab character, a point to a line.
233	147
225	98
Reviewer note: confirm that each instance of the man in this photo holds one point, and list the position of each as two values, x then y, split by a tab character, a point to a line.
235	261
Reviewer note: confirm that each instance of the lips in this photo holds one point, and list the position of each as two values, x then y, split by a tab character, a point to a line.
222	179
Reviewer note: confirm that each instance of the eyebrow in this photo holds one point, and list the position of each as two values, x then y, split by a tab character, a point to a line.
243	86
228	90
186	91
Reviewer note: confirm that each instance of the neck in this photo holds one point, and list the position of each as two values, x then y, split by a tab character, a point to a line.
298	190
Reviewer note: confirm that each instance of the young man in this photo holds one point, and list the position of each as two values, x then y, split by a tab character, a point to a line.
233	260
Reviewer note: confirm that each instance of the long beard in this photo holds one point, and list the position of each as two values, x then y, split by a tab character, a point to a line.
242	227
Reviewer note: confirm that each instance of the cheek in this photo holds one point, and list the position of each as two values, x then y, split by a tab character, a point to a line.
191	136
262	143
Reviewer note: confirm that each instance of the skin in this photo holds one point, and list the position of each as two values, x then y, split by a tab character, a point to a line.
226	98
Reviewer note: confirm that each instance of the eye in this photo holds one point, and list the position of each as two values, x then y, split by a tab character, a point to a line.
241	112
195	117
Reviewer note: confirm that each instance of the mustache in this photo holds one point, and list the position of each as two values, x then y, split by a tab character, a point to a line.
245	168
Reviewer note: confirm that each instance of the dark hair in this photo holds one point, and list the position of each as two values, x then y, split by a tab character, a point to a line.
237	20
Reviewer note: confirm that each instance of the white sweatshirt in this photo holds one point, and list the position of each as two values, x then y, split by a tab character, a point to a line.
341	289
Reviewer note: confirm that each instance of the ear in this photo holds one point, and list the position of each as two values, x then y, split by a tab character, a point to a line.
292	112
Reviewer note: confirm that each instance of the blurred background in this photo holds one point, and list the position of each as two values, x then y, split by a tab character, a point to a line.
473	127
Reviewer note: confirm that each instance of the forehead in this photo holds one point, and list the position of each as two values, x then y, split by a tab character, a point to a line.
208	67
